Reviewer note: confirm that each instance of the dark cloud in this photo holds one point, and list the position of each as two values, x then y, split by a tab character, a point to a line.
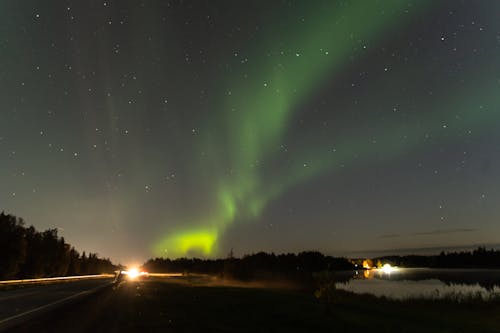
390	236
444	231
431	232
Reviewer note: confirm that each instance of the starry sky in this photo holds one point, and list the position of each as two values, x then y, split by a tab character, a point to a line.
187	128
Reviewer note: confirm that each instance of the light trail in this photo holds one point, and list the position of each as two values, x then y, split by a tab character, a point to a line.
61	278
166	274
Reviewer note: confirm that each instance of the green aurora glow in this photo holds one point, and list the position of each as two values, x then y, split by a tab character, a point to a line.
256	113
187	128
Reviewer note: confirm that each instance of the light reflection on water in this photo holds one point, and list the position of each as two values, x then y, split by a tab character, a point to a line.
426	283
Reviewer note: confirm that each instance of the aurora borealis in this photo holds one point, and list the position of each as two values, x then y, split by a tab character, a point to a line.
190	128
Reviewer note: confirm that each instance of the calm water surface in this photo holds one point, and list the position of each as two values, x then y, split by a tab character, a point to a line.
404	283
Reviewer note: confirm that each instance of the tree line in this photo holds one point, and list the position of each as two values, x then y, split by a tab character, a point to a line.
28	253
302	266
478	258
259	266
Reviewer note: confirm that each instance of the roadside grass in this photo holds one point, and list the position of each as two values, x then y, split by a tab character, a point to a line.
230	309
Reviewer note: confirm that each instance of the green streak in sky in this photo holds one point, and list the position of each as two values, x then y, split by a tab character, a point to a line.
201	241
257	109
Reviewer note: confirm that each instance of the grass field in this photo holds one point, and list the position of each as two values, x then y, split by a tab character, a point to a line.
162	306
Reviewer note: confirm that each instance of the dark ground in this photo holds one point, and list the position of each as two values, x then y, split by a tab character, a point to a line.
164	305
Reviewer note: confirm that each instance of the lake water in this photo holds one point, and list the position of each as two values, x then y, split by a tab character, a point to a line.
404	283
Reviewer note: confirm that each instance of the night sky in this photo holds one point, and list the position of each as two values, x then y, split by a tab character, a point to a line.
187	128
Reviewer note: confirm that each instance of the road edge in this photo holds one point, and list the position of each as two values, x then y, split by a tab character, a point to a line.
21	318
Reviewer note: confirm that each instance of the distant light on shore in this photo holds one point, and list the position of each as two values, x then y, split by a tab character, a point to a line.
388	269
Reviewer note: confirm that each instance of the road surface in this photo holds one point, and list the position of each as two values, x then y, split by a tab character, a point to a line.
29	299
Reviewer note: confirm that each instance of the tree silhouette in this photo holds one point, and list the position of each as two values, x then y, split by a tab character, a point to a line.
12	246
28	253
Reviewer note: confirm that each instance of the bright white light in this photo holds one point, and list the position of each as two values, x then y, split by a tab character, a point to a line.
133	273
387	268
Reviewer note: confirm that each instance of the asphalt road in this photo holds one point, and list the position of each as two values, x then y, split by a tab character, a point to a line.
28	298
